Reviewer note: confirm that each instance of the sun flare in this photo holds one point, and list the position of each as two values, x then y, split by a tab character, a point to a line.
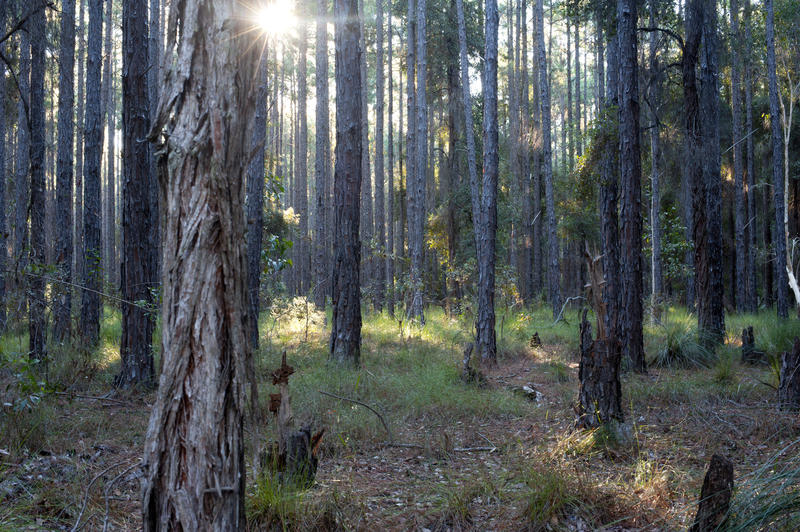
276	17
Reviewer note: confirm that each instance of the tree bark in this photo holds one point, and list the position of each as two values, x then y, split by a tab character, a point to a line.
789	387
255	200
380	218
198	483
390	208
752	221
712	315
155	46
656	270
416	187
782	299
600	394
345	345
23	160
631	178
3	169
36	298
715	496
303	263
107	217
77	235
553	272
322	155
487	342
367	219
93	146
740	209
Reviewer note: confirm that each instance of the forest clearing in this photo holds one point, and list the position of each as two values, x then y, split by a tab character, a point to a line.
429	265
529	468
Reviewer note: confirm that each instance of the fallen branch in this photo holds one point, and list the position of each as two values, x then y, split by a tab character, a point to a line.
108	488
365	405
93	398
564	306
75	527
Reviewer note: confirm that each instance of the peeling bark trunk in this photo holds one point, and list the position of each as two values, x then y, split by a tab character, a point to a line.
197	482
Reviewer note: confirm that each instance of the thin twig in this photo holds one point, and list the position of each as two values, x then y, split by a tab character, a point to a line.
86	494
93	398
564	306
365	405
108	488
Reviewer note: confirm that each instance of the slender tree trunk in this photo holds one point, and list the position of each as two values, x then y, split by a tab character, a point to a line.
3	170
781	279
255	201
79	267
390	250
752	221
138	219
578	112
536	162
345	345
712	316
380	219
155	46
367	219
62	300
107	202
200	484
569	125
322	155
487	342
528	213
416	187
304	255
23	161
93	146
631	179
740	210
656	270
609	200
36	298
553	272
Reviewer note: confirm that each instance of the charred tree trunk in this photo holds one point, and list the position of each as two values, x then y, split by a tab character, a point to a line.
631	178
138	220
789	388
715	496
345	345
600	395
93	147
36	298
200	484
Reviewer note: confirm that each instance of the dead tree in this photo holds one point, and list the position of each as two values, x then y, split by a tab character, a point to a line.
749	353
715	496
789	388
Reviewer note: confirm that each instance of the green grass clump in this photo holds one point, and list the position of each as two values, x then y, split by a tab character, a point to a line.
547	497
680	346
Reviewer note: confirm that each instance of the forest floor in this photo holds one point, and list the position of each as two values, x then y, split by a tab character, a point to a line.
461	457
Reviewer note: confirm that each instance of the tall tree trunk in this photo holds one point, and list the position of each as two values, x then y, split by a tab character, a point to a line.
553	272
36	298
107	202
79	268
138	219
93	146
155	46
380	219
416	183
304	256
487	342
631	179
23	161
609	200
528	214
322	155
345	345
656	270
752	221
712	315
62	300
569	125
578	112
367	220
255	200
740	210
3	170
782	298
200	484
407	224
536	162
390	250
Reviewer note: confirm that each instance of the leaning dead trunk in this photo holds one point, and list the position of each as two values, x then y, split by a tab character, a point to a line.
194	456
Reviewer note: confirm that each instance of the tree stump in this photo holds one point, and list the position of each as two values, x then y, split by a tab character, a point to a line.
600	394
715	497
749	353
469	374
789	388
295	455
535	341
